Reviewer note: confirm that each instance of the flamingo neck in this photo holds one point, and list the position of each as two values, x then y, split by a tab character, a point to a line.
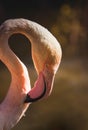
13	107
13	63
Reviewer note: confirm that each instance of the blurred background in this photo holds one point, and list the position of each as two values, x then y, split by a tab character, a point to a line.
67	107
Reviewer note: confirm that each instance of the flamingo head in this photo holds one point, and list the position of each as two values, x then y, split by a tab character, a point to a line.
46	59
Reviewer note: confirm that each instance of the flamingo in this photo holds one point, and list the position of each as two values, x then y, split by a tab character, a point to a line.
46	55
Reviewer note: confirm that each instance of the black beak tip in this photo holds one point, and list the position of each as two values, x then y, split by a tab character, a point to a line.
30	100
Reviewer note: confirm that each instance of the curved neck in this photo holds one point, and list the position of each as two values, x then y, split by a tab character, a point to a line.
8	28
33	31
13	63
26	27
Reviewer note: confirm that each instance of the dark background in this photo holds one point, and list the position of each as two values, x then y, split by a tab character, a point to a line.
67	107
66	19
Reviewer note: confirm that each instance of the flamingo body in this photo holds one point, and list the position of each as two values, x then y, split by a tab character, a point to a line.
46	55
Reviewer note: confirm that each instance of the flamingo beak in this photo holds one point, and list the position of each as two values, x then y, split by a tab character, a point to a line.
42	88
